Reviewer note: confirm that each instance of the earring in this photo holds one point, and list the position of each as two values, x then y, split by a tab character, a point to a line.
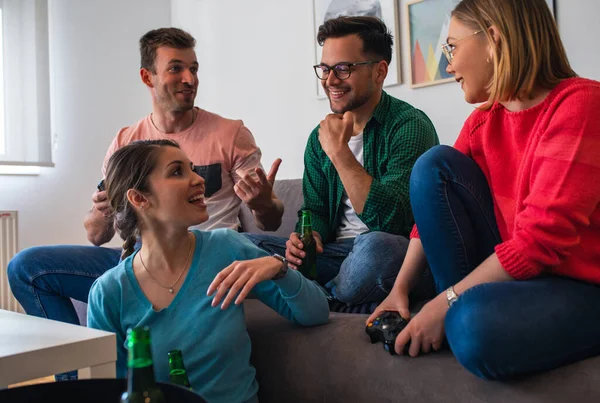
487	60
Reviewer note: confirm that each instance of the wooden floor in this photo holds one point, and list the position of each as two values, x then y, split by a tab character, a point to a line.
34	381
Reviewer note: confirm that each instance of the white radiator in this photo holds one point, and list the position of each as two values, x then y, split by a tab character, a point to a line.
8	248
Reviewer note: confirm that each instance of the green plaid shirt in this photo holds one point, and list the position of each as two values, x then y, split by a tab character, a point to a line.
395	136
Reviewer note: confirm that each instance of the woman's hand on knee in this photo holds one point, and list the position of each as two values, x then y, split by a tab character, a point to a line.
240	277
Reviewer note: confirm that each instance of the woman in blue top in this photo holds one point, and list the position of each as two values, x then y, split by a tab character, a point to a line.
182	283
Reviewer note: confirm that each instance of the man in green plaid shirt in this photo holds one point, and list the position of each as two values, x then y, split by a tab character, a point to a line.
358	163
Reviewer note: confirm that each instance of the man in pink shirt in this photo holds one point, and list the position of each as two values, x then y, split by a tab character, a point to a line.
224	153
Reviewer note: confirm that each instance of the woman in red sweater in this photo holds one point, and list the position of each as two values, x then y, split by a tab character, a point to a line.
509	218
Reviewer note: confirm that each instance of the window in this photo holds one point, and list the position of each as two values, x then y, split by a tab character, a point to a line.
2	136
25	132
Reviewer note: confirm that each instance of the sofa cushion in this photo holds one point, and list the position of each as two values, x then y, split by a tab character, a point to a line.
289	191
337	363
81	309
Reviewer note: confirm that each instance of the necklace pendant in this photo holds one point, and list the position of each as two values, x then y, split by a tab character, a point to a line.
171	290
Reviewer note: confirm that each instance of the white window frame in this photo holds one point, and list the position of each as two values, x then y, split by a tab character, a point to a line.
26	87
2	127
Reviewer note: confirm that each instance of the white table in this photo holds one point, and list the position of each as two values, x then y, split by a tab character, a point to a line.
32	347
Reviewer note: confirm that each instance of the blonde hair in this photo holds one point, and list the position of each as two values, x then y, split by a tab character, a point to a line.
530	54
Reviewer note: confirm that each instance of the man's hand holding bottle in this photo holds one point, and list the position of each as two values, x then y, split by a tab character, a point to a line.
294	252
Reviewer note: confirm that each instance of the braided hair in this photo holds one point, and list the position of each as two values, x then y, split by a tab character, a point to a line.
129	168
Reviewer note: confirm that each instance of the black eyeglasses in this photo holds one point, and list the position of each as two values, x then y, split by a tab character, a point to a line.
341	70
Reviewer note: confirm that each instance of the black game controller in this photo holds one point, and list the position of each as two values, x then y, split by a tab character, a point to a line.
385	328
101	186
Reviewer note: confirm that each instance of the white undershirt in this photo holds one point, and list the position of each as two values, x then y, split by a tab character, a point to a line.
350	224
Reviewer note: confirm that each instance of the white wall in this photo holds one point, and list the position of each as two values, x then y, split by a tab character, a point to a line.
255	64
580	31
95	64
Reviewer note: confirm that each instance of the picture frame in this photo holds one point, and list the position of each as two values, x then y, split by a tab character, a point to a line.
427	24
386	10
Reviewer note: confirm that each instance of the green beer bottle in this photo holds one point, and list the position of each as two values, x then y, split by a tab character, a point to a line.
141	386
309	263
177	372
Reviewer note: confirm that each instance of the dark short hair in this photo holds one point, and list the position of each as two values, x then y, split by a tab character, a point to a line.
171	37
377	39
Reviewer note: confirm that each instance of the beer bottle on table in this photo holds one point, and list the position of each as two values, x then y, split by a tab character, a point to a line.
177	372
141	385
309	263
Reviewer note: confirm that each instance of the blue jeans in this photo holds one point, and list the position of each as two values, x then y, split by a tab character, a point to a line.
45	278
353	270
495	330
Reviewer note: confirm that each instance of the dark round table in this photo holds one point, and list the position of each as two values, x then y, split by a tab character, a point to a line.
89	391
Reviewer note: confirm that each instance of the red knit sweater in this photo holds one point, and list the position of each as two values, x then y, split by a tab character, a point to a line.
543	168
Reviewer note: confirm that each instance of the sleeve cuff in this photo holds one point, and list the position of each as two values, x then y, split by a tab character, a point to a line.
514	262
369	214
415	232
290	285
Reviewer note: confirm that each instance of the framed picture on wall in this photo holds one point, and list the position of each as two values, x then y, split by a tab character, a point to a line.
386	10
427	24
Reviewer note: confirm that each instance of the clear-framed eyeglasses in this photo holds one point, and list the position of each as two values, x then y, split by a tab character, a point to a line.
447	48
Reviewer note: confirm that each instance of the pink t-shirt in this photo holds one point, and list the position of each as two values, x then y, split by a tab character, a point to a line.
221	150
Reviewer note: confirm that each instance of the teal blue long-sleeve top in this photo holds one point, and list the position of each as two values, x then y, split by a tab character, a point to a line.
215	343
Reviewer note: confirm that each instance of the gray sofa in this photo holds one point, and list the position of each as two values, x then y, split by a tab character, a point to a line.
337	363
